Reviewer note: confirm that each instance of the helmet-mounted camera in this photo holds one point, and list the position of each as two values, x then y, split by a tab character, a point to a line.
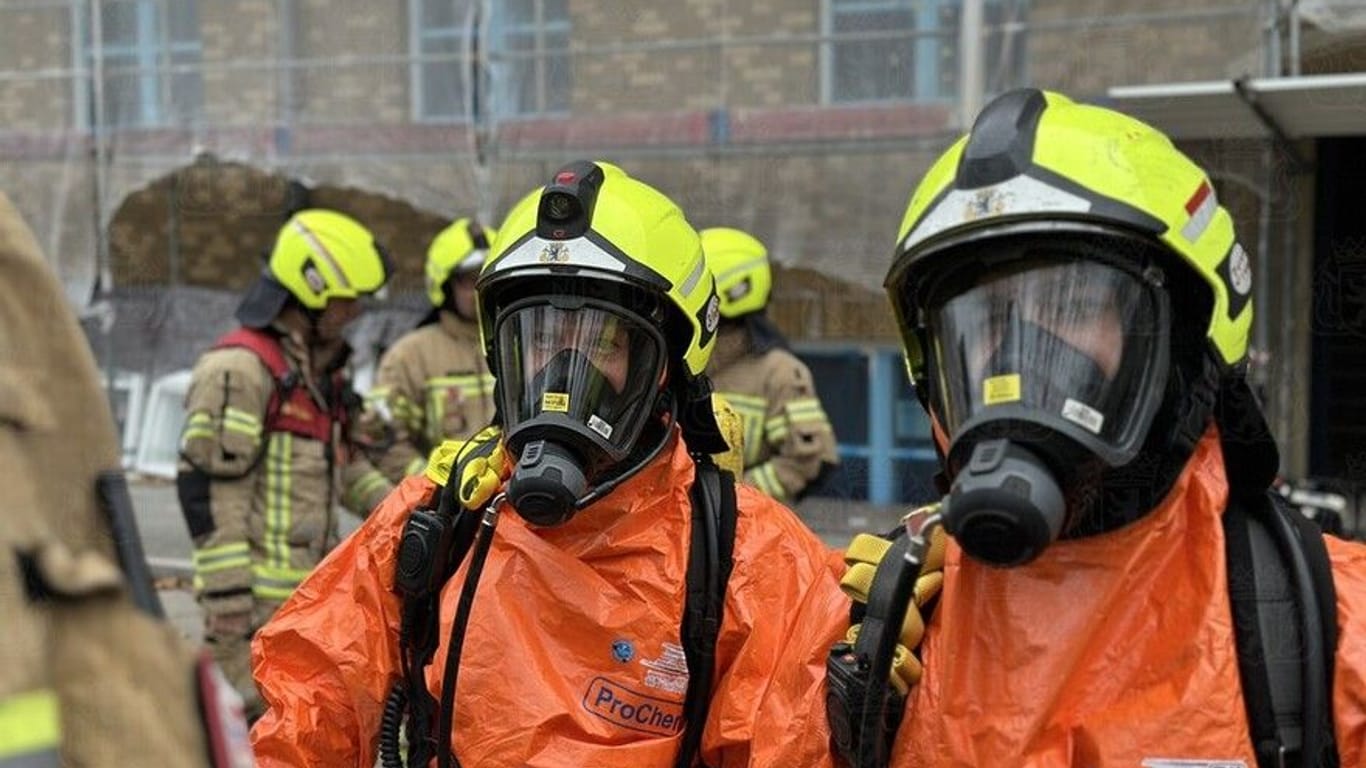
566	206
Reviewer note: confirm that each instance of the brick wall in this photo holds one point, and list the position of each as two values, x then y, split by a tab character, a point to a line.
343	91
824	208
771	75
32	40
1086	58
828	209
672	77
242	42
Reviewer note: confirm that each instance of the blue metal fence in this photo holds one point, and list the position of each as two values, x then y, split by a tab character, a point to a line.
883	434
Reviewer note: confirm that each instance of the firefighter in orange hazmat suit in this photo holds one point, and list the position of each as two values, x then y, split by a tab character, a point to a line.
1075	312
598	315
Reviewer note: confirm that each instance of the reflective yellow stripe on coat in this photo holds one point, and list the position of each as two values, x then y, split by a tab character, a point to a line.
765	477
400	409
276	584
214	559
197	425
30	730
238	420
471	386
279	518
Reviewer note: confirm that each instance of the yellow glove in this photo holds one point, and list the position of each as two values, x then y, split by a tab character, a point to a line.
733	429
862	557
480	465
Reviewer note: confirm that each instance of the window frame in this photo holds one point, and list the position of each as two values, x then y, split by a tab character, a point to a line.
418	58
927	37
149	57
506	100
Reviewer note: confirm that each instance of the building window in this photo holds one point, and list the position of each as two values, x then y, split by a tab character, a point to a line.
907	50
530	57
1006	66
442	43
150	52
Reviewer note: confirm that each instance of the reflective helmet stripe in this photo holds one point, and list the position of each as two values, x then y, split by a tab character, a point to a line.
321	250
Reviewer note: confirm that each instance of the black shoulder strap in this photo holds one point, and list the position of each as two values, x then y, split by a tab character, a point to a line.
1320	569
710	557
419	625
1285	627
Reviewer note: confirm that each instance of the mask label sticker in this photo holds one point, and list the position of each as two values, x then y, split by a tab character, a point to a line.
626	708
1083	415
555	401
1001	389
601	427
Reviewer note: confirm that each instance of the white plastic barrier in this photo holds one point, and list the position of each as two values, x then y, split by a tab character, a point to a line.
126	395
159	443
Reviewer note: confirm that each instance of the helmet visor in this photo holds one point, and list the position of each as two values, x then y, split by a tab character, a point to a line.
1075	346
592	368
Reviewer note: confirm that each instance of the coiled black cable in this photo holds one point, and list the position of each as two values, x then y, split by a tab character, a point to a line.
389	725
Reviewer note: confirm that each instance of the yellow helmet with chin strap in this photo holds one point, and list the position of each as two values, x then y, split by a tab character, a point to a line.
319	255
595	224
1037	157
744	278
459	249
1048	279
1043	183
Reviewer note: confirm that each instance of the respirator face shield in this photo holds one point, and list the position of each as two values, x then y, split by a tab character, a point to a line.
1073	347
580	373
1045	365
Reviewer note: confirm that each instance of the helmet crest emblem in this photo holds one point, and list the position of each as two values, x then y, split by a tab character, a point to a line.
554	253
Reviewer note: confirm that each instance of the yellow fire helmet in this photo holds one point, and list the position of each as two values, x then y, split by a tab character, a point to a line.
319	255
1036	162
460	248
739	261
594	233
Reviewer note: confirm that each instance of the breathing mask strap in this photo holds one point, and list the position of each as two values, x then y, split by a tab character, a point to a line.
1251	457
1196	406
692	407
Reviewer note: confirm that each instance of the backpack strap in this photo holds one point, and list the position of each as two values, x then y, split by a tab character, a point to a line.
1285	627
304	417
431	548
1322	591
710	559
264	345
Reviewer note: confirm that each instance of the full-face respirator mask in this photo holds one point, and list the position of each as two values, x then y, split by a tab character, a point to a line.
580	381
1045	369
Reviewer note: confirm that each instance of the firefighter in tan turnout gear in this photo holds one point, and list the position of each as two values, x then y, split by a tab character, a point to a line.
789	444
266	451
434	383
89	675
